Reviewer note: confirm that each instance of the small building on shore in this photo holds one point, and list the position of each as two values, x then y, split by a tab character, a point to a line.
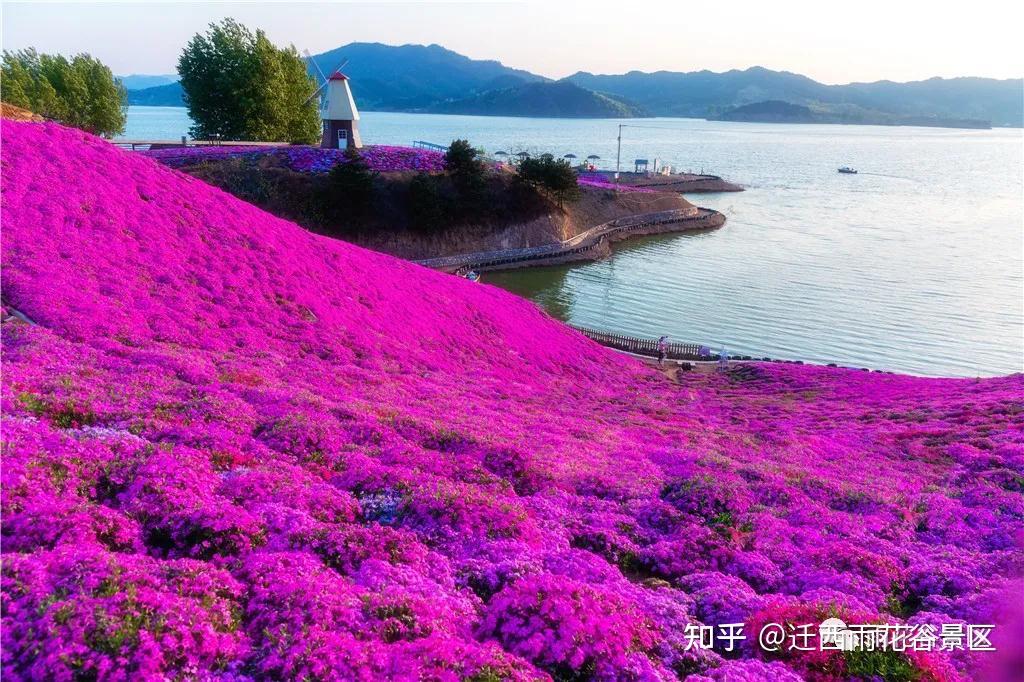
340	115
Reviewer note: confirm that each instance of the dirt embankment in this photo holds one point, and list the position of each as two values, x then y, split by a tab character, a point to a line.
512	215
594	207
14	113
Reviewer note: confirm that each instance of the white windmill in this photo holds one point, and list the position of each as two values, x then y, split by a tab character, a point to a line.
338	109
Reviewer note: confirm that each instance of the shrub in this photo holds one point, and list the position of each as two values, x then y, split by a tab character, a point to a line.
553	176
349	189
427	209
463	161
242	177
467	171
566	626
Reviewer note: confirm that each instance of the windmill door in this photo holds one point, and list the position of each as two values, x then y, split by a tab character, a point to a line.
342	139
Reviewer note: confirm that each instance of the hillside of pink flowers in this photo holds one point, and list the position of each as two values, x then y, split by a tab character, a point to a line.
234	450
306	159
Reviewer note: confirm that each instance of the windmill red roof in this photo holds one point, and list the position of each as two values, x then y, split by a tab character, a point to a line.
338	76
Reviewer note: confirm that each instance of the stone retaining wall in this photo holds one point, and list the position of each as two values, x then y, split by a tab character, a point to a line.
589	245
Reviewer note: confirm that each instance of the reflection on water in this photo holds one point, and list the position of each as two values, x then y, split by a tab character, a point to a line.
914	265
546	286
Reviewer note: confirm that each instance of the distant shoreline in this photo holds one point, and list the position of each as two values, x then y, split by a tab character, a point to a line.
780	111
654	118
947	126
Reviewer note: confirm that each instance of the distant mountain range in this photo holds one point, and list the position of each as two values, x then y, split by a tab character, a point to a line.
137	81
556	99
168	95
704	94
417	77
776	111
430	78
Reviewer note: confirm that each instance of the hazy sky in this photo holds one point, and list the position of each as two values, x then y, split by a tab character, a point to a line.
834	41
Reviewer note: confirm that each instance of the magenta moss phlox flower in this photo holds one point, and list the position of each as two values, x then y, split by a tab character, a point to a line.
236	450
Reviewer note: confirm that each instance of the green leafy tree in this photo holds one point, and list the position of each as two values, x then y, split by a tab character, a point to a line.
16	83
467	170
81	92
238	85
462	159
553	176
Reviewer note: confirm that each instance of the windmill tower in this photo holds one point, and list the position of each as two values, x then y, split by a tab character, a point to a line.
338	111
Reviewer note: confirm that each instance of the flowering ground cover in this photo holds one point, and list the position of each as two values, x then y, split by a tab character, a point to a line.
601	181
383	158
236	450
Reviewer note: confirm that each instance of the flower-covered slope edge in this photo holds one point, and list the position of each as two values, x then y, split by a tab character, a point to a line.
234	450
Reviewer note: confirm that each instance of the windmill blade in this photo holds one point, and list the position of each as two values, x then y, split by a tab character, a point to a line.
315	65
326	81
339	66
317	93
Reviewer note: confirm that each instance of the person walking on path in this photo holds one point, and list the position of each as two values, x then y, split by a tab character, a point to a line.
662	350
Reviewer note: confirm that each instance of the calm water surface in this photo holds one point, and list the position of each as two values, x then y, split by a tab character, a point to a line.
913	265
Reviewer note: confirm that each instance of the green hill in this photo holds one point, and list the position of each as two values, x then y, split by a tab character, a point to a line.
560	99
168	95
136	81
777	111
705	94
412	77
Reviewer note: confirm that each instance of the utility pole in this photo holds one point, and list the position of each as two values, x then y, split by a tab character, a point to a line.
618	158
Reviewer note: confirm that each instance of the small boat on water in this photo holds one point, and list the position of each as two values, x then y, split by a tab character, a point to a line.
848	170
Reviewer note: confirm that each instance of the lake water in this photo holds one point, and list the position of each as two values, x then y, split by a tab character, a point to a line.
915	264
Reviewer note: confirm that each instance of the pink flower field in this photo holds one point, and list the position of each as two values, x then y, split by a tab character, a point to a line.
234	450
306	159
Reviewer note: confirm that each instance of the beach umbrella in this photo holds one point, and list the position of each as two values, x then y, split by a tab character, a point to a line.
569	156
593	157
501	153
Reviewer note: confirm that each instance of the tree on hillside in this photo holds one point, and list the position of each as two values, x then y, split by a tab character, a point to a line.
238	85
462	161
349	188
81	92
554	176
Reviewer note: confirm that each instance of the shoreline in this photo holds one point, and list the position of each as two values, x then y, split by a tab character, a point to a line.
592	244
685	356
683	183
993	126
